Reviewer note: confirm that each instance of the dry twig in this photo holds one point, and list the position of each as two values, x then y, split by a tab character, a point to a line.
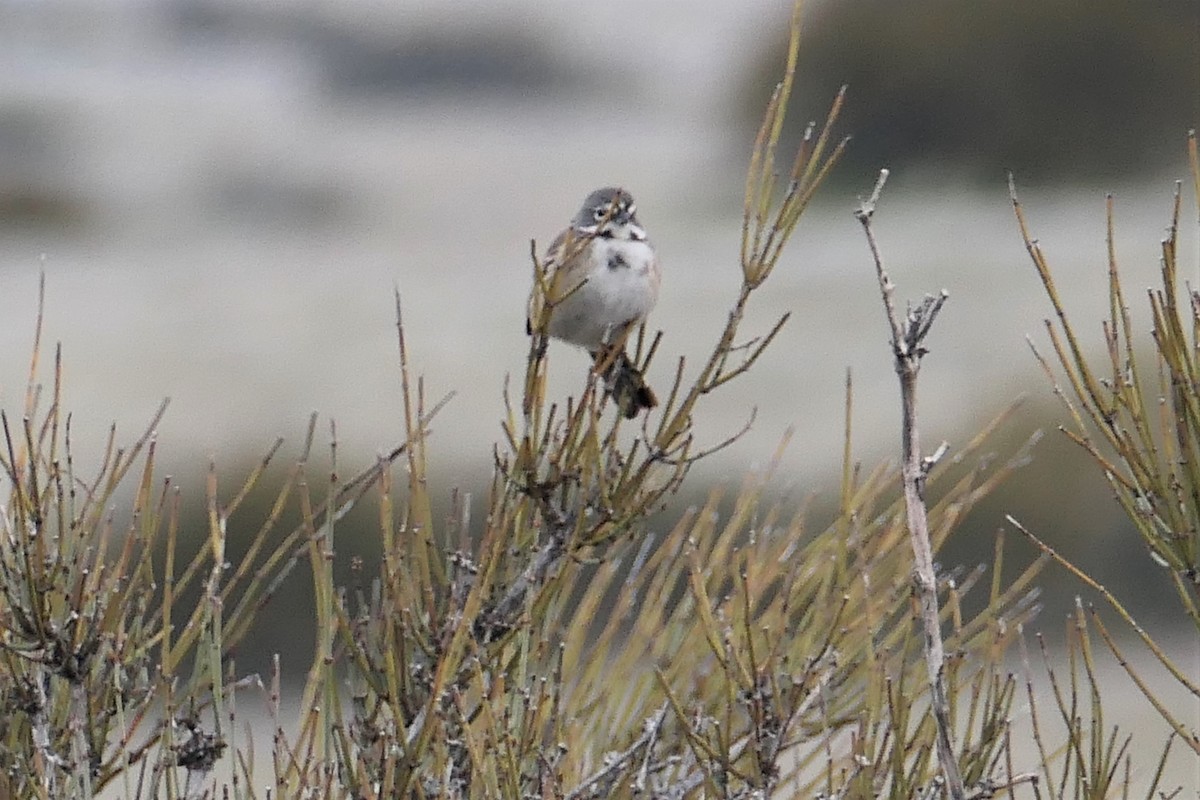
908	336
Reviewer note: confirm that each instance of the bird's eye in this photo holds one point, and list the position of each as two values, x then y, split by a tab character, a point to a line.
599	212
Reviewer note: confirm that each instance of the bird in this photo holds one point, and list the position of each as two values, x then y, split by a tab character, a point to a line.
602	280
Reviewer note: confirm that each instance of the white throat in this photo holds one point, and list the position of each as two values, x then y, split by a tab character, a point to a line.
623	231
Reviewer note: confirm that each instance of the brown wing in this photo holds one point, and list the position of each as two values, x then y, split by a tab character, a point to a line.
548	276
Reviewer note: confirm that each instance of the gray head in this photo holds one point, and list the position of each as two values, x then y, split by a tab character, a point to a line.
609	213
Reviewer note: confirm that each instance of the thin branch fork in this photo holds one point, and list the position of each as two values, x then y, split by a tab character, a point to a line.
908	335
621	761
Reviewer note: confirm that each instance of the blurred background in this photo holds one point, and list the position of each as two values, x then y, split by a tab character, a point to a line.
224	193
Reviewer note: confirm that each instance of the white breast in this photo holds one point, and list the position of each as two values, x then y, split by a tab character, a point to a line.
621	288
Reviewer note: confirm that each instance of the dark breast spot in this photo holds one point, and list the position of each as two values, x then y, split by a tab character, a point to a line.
617	261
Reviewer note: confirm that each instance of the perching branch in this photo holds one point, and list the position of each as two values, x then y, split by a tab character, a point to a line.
908	336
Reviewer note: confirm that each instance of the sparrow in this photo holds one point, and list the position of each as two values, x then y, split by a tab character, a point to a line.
602	281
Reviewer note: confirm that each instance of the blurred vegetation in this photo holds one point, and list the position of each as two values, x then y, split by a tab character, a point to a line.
1085	91
386	58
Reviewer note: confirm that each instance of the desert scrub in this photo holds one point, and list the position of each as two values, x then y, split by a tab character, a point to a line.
554	638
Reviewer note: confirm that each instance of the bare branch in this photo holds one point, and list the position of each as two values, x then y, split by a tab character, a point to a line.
907	338
596	784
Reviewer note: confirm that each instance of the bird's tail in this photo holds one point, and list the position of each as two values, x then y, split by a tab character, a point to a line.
625	383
